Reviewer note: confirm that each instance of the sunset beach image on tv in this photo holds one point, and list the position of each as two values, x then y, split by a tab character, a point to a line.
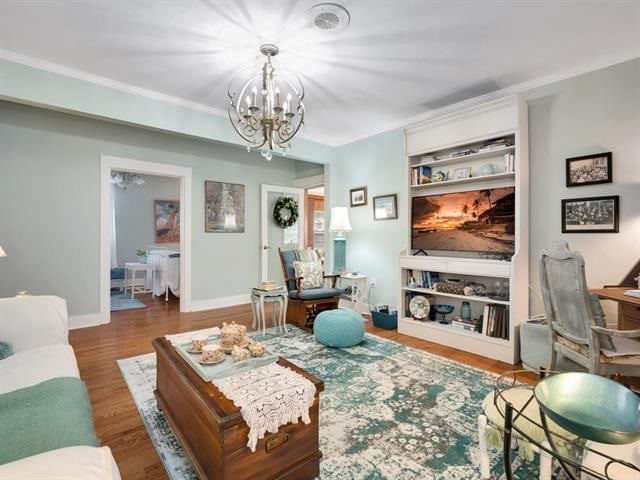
475	221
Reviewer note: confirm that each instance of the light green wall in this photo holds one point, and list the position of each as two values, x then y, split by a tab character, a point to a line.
49	193
598	111
373	246
30	85
135	216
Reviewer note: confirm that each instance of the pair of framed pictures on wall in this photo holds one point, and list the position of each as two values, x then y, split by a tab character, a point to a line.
385	207
590	214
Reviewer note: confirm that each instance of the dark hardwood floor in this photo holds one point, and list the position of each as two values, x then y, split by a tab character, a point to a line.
130	332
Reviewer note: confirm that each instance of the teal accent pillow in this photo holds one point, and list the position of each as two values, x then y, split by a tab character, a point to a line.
6	350
50	415
339	328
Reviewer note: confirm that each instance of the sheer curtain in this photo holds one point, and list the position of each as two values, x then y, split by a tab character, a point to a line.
114	249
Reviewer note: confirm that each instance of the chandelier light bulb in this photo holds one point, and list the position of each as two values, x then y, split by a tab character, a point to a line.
271	123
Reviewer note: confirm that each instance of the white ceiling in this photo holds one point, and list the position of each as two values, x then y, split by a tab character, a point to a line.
396	60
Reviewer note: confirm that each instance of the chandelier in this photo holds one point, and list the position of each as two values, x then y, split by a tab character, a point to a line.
125	179
266	107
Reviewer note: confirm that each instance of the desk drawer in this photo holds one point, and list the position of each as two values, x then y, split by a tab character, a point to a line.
631	311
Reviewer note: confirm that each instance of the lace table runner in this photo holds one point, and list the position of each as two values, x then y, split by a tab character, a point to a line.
180	338
269	397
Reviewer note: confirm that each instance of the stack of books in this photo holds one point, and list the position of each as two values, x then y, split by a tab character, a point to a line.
509	162
469	325
267	286
420	175
496	321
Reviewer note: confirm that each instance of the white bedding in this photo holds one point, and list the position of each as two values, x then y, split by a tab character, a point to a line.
166	273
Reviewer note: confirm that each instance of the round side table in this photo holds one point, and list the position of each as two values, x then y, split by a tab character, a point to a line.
279	297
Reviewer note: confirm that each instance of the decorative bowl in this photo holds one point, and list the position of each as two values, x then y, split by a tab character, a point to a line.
419	307
238	354
590	406
443	309
256	349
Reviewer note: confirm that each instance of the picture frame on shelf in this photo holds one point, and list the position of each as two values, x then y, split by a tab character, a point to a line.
385	207
591	169
462	173
591	215
358	197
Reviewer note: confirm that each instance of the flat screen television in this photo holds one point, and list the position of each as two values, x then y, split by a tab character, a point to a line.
475	221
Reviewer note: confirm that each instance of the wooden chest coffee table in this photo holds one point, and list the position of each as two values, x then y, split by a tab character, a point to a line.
213	434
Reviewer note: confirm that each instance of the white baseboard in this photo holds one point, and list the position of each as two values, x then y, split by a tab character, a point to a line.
83	321
344	303
221	302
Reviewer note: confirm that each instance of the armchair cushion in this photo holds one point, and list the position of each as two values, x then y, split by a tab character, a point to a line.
33	321
315	293
311	273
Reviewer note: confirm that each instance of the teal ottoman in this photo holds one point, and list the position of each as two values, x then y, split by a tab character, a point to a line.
339	328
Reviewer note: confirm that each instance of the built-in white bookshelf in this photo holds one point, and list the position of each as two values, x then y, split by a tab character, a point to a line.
490	144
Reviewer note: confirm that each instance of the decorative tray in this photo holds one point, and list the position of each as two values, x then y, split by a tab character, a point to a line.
226	368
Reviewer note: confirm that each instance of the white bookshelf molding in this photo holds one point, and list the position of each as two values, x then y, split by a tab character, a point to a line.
458	141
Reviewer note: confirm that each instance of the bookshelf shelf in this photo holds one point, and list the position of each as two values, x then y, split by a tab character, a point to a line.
461	181
502	121
496	152
472	298
451	330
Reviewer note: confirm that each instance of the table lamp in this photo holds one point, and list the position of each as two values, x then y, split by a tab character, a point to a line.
339	224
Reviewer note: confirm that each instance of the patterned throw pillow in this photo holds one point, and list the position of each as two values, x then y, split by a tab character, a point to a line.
311	273
6	350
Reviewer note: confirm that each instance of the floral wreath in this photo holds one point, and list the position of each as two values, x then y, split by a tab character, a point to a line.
285	203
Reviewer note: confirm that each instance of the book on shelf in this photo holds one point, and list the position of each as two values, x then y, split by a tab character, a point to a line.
509	162
420	175
496	322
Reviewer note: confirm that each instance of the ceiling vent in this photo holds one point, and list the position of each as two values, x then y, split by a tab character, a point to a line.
328	18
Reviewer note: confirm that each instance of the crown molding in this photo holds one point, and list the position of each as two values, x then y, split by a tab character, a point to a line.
404	123
508	91
113	84
105	82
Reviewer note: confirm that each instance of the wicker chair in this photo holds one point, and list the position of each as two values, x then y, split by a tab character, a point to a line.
577	322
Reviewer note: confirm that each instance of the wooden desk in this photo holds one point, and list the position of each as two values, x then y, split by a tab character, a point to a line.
628	307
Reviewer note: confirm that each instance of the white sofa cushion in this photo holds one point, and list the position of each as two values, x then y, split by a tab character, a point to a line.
30	367
33	321
71	463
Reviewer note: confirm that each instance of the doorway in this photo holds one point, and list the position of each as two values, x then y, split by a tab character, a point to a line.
110	165
315	223
275	237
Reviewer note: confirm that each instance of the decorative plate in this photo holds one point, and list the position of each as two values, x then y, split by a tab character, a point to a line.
419	307
211	362
190	349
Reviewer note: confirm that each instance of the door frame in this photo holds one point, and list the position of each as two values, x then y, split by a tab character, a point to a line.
264	226
107	165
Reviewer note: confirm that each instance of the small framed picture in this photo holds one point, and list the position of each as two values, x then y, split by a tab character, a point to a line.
589	170
385	207
460	173
358	197
591	215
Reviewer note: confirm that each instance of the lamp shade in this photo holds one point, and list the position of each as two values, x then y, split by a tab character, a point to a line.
2	254
340	220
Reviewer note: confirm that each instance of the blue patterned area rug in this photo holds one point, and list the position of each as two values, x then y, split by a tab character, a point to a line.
388	411
121	301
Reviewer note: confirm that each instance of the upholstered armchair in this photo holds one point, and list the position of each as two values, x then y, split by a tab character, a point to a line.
577	321
306	303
